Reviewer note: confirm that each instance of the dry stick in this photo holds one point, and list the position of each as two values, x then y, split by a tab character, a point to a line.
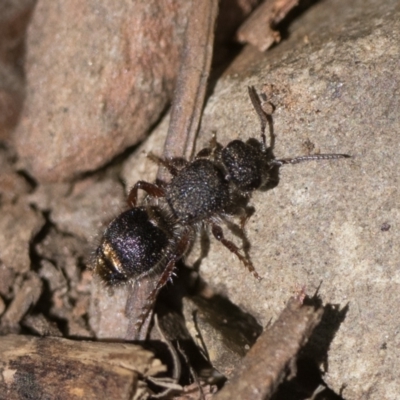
57	368
258	29
268	361
170	384
186	111
137	296
191	85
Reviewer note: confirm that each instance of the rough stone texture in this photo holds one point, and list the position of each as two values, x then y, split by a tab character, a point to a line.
7	281
11	99
221	329
98	78
2	306
336	88
14	241
69	286
82	214
27	296
107	311
138	166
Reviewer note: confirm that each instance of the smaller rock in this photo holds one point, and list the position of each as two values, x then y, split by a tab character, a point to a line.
88	100
40	325
24	299
53	276
90	205
14	241
226	332
107	311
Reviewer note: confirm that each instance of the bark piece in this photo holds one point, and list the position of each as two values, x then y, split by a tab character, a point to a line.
258	28
64	369
191	85
107	316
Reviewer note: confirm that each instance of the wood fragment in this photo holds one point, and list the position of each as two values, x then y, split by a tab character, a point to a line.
258	29
273	355
187	106
56	368
137	296
170	384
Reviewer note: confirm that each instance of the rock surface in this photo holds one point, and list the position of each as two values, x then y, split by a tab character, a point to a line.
333	224
98	78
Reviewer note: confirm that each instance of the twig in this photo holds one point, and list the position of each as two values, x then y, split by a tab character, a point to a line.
258	28
273	355
187	106
171	384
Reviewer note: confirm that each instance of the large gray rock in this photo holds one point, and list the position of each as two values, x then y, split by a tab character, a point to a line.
335	85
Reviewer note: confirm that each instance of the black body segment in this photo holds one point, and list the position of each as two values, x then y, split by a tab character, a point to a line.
131	247
245	165
197	192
